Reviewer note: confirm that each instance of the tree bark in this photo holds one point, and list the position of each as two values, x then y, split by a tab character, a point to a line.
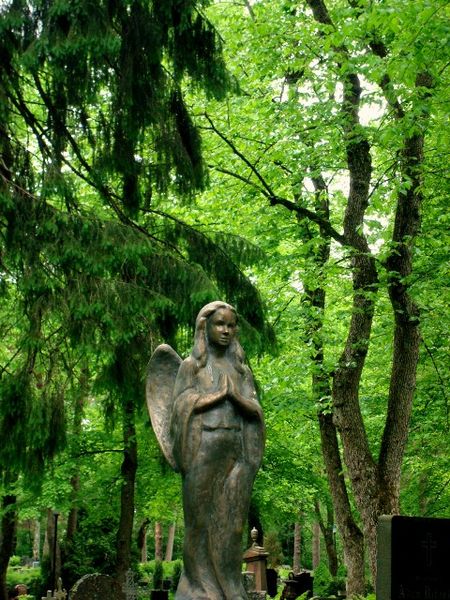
80	401
36	539
296	563
352	537
7	539
72	519
128	472
316	545
170	542
142	540
158	541
54	550
327	530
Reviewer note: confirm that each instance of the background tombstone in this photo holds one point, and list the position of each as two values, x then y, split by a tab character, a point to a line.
21	589
272	582
130	587
96	587
413	558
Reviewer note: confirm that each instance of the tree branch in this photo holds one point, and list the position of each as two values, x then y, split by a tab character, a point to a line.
267	191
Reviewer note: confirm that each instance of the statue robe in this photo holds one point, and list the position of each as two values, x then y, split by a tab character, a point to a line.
218	452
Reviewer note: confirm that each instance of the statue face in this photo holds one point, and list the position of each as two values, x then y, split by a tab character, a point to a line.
221	327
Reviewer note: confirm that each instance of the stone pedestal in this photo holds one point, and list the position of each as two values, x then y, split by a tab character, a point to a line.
256	559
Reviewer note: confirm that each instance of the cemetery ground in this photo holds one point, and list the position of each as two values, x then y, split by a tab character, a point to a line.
31	576
412	564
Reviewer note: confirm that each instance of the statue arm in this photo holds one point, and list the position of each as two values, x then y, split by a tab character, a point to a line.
207	401
247	402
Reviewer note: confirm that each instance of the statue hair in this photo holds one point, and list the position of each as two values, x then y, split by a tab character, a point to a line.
199	352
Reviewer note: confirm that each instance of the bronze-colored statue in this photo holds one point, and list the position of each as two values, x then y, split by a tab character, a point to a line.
209	424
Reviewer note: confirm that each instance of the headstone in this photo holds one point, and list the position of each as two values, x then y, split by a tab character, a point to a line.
60	594
272	582
413	558
96	587
297	584
159	595
130	587
21	589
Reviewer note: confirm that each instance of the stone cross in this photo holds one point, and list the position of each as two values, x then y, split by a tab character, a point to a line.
130	586
60	594
48	596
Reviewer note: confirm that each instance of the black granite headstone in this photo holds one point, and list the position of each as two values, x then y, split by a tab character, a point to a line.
413	561
272	581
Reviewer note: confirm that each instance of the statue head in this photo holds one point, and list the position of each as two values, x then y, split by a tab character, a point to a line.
201	342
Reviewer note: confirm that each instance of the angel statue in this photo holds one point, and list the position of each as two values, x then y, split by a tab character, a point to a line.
210	426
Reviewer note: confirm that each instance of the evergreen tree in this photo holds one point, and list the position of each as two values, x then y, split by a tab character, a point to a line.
94	130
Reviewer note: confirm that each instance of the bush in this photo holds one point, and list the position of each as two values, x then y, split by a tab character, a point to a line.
327	585
92	549
176	574
158	575
322	581
14	561
272	545
30	576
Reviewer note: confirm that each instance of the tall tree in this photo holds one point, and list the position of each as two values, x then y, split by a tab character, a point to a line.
93	128
310	94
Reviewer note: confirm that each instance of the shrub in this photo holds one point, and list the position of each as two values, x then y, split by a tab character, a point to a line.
322	580
158	575
30	576
176	574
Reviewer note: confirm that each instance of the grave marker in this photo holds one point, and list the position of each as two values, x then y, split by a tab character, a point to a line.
413	558
96	587
130	587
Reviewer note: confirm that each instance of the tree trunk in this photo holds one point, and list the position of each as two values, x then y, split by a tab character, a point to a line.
328	533
158	541
296	563
54	551
316	545
128	472
36	539
7	539
170	542
352	538
72	519
80	401
142	540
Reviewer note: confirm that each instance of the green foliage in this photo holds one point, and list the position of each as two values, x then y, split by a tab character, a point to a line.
176	574
324	584
30	576
158	575
273	547
101	259
92	549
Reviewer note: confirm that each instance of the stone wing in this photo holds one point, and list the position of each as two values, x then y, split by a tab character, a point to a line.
161	374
